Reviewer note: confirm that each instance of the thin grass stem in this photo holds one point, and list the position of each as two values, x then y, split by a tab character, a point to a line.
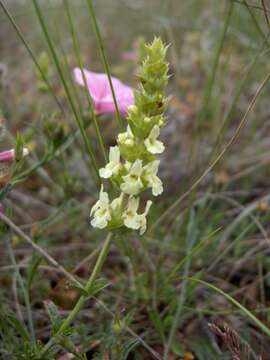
190	241
79	60
30	52
77	117
212	76
70	277
104	59
24	291
255	21
217	159
242	308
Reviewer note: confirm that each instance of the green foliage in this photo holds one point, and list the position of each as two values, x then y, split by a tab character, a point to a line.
45	70
56	130
15	342
216	239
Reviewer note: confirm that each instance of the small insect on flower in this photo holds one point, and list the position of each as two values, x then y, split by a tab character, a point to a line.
99	89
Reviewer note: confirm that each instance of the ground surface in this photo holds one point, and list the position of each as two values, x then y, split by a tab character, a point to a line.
218	233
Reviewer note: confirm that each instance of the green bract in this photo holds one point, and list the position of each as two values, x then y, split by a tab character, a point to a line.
132	163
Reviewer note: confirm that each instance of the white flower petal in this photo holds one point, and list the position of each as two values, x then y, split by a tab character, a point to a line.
152	168
131	218
154	147
132	183
101	211
116	203
113	167
133	204
143	226
157	186
136	168
152	179
103	198
99	222
114	155
143	217
147	207
132	222
131	186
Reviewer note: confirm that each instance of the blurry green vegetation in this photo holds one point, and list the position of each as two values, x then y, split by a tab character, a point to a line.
219	233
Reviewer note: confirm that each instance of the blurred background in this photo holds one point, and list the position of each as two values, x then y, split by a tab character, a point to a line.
219	58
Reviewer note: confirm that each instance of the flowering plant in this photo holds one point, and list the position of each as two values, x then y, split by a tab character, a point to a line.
133	165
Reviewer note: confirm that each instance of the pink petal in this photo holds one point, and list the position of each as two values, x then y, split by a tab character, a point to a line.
99	89
130	55
9	155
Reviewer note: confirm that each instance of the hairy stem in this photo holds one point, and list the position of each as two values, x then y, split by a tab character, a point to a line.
80	303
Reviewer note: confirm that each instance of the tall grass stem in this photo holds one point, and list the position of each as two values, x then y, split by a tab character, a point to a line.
79	60
24	291
104	58
30	52
78	119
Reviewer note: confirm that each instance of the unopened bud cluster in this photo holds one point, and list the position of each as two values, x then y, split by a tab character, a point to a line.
133	163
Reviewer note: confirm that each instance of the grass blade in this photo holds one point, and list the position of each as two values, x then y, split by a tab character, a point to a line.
243	309
104	58
78	118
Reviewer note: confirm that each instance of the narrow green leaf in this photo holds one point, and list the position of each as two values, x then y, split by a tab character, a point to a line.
18	326
247	312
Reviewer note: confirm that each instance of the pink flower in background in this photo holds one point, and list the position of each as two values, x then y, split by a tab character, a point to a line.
133	55
99	89
9	155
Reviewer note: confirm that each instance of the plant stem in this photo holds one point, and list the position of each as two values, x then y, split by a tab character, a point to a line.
104	58
24	291
79	59
30	52
211	79
254	19
191	239
240	86
78	119
65	324
210	82
71	277
212	165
